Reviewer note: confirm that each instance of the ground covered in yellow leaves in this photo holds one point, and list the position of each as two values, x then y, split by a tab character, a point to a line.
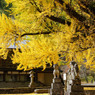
89	88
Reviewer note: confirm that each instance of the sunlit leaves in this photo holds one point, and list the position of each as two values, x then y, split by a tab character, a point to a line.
74	41
38	52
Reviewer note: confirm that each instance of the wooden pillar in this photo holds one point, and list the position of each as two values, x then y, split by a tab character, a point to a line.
35	77
19	76
4	76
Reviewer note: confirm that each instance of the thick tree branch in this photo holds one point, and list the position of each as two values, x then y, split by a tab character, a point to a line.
56	19
89	5
73	13
38	33
70	11
59	20
84	8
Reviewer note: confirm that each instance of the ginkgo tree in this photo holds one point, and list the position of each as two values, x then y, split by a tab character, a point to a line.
52	29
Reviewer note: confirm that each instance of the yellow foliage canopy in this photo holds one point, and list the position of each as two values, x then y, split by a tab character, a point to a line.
50	28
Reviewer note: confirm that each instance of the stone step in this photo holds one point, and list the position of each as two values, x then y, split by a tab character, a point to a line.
56	85
77	93
41	90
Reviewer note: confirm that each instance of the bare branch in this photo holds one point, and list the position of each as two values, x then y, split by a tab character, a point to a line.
59	20
38	33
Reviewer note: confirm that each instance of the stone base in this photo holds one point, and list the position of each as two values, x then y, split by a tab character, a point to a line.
77	93
56	87
75	88
77	81
41	90
56	92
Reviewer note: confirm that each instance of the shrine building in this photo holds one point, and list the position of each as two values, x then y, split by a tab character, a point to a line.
10	77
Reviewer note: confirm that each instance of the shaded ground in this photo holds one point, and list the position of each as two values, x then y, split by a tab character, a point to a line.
27	94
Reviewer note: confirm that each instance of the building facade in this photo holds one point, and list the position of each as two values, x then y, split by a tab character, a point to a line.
10	77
